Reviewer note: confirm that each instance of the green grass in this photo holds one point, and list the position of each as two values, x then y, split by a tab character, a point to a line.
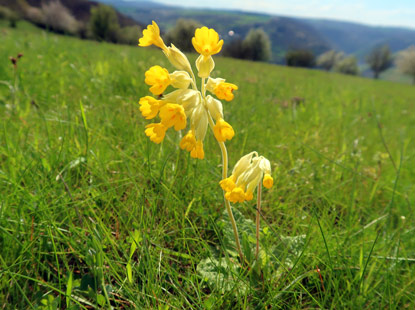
79	182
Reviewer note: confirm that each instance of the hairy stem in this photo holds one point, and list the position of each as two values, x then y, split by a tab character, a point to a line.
227	204
193	80
224	176
258	214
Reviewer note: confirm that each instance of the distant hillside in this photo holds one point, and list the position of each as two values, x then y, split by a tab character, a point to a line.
285	33
317	35
80	9
358	39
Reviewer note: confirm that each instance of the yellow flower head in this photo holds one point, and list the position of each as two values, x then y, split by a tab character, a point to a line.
151	35
246	176
227	184
249	195
206	41
268	181
173	108
158	78
173	114
156	132
223	131
188	142
225	91
149	107
236	195
198	152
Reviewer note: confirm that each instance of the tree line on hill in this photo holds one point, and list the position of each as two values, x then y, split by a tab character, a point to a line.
92	20
378	60
103	25
257	46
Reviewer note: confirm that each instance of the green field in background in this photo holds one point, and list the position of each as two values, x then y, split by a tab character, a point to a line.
80	181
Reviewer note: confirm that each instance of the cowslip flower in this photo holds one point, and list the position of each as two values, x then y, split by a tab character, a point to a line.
175	108
158	78
173	114
156	132
149	107
246	175
151	36
206	41
188	142
221	89
198	151
225	91
185	107
223	131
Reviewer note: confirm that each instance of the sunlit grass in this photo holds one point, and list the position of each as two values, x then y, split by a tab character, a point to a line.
74	187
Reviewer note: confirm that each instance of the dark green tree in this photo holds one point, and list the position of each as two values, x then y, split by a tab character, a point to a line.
406	62
379	59
329	59
347	65
257	45
300	58
103	23
11	16
182	33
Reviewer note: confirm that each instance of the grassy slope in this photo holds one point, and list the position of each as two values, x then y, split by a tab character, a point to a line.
328	174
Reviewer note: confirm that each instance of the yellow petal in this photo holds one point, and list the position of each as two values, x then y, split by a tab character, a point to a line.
268	181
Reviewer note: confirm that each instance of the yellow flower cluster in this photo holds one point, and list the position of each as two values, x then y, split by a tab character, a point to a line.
246	175
187	107
177	107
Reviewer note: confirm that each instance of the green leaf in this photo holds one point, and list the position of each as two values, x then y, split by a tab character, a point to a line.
136	239
129	273
83	115
225	274
221	275
100	300
245	227
69	289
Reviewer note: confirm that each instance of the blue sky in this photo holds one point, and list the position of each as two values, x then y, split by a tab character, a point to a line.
373	12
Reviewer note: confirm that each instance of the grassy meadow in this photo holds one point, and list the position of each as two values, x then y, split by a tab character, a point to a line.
93	215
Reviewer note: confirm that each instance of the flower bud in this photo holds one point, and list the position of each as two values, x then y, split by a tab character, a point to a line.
174	96
253	172
215	107
265	165
180	79
204	65
189	100
199	122
268	181
243	164
177	58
